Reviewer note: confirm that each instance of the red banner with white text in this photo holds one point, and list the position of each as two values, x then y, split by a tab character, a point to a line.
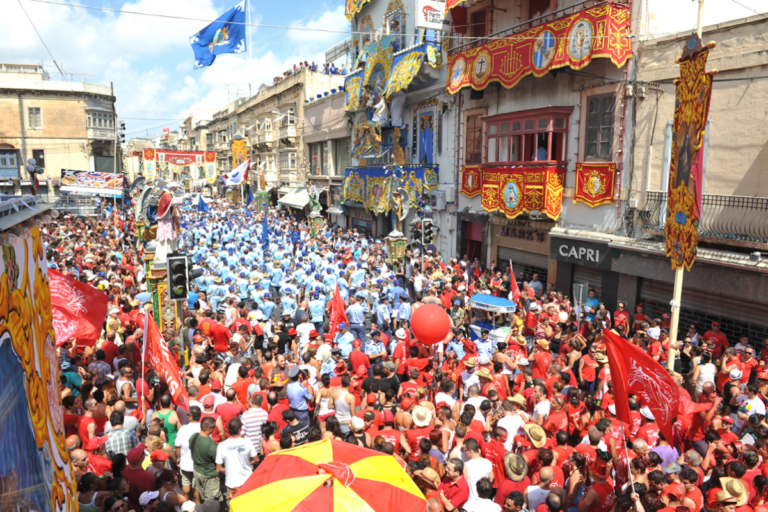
159	357
78	309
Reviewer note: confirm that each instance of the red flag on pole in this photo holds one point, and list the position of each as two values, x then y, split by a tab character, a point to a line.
78	309
160	359
513	284
635	372
338	312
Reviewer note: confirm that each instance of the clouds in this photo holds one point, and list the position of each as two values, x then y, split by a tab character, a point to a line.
148	59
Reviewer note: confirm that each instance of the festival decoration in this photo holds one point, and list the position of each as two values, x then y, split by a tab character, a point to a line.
239	149
353	88
35	471
692	97
373	186
404	68
366	138
78	309
353	478
353	7
210	167
471	180
635	372
594	183
150	167
517	190
599	32
160	359
430	324
398	156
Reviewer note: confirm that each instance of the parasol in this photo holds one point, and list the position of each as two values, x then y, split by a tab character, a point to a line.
352	478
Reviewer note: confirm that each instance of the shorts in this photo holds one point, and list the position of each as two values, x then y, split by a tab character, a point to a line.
324	417
209	487
587	385
186	478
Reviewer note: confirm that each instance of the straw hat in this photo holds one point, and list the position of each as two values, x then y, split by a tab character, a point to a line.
601	358
521	341
723	497
470	363
515	466
736	488
483	373
421	416
517	399
429	476
536	434
543	344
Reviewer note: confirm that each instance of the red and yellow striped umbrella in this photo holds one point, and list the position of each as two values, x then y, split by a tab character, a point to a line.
353	478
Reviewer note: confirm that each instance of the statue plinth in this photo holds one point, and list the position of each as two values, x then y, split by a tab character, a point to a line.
396	244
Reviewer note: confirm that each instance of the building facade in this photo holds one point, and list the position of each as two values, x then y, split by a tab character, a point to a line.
62	125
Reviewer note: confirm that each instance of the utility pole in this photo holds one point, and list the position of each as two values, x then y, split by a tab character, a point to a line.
677	294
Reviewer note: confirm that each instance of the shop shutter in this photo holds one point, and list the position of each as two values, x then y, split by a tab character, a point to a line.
528	262
707	303
593	276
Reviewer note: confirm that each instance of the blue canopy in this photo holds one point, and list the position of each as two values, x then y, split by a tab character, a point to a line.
491	303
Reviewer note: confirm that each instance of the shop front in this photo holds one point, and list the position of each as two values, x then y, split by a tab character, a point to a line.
362	220
585	261
526	244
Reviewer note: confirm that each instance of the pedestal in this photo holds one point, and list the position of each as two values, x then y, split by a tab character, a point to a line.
164	311
316	222
396	244
261	198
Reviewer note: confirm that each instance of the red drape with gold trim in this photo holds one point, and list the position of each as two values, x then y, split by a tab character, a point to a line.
595	183
471	180
517	190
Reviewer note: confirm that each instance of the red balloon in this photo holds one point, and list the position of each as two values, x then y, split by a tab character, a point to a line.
430	324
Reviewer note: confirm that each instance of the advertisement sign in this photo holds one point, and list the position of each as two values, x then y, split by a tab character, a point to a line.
93	184
431	15
587	254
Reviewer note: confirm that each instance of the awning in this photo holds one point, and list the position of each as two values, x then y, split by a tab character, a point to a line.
91	191
284	190
296	198
335	211
491	303
404	68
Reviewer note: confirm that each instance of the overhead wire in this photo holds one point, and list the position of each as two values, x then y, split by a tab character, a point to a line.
43	41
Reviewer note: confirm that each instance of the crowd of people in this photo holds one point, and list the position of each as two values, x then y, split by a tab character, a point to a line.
326	69
525	421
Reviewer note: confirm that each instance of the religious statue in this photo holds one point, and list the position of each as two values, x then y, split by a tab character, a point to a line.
168	230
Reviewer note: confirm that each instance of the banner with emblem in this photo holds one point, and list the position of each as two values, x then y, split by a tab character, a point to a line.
594	183
471	177
150	168
692	97
573	41
514	191
210	166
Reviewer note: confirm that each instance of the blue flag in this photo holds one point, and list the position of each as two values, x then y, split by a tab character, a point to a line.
264	228
201	206
225	35
250	197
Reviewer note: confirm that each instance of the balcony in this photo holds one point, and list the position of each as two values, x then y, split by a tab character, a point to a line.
101	133
732	220
288	131
265	136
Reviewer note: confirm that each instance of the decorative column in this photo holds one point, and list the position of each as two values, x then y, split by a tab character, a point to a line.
396	243
316	222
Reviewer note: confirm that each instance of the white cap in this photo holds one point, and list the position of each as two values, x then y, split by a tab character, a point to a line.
188	506
645	411
735	373
148	496
522	362
535	307
357	424
483	359
400	334
612	409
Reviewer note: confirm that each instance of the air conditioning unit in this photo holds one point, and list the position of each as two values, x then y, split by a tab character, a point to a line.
450	195
437	200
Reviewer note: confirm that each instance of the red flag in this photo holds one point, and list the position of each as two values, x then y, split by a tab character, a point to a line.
513	285
156	350
635	372
78	309
338	312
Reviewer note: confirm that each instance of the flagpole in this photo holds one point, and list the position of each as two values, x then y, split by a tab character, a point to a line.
143	355
626	454
677	295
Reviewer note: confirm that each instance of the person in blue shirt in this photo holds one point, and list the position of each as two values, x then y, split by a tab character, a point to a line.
403	309
485	345
343	340
299	397
288	302
267	307
317	311
383	314
276	277
356	316
593	304
375	349
456	345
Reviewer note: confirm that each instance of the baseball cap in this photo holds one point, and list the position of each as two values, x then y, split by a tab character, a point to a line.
342	326
357	343
148	496
158	455
369	415
208	400
216	385
135	454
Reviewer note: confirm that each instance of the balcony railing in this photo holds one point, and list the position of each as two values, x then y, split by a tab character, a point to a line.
288	131
459	45
732	220
101	133
265	136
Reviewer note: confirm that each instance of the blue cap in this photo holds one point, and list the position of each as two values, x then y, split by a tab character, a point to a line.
317	294
379	281
341	265
341	273
317	288
228	280
288	290
258	285
317	276
267	295
231	288
329	270
363	285
342	325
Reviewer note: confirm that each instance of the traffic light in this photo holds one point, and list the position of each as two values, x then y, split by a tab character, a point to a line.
179	277
416	230
428	230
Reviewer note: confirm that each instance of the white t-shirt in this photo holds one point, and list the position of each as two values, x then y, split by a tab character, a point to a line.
748	407
312	375
303	331
231	376
442	397
480	505
477	469
541	409
235	455
182	441
513	425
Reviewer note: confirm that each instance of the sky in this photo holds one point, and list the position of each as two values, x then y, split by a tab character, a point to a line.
149	59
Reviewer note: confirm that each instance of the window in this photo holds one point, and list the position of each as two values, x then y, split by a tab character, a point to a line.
209	140
265	124
35	115
600	126
317	164
478	22
533	135
287	116
538	8
342	155
270	162
474	140
39	156
99	120
287	160
9	166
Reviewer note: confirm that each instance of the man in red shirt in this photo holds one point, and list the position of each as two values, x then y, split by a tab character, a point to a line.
640	316
358	358
494	451
721	342
139	480
110	348
587	370
540	359
517	478
220	336
206	323
230	409
748	363
621	317
400	354
454	490
276	412
420	428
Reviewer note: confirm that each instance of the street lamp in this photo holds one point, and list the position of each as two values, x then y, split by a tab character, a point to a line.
33	169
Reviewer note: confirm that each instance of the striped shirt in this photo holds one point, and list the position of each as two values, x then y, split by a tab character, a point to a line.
253	419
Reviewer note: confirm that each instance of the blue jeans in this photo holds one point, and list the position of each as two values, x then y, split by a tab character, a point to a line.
359	331
318	327
301	415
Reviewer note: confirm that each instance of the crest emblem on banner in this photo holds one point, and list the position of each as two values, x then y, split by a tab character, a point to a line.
511	195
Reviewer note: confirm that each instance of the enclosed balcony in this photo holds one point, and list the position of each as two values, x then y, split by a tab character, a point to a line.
731	220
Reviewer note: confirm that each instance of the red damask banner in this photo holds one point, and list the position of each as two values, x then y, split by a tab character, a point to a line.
517	190
161	360
595	183
78	309
692	97
600	32
471	180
